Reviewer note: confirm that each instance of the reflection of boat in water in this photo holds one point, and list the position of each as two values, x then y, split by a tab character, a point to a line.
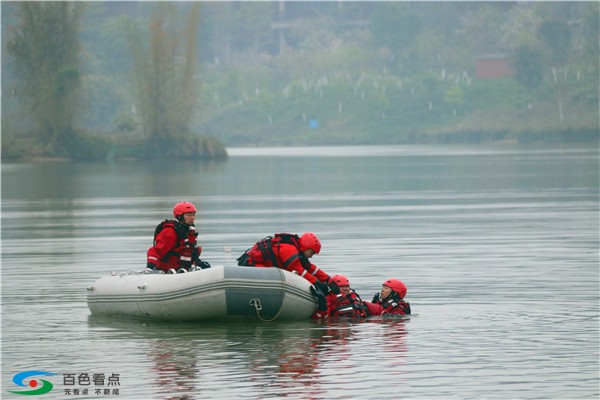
228	292
227	359
221	359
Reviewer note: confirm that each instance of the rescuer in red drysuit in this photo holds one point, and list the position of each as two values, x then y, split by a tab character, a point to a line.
342	301
390	300
290	252
175	248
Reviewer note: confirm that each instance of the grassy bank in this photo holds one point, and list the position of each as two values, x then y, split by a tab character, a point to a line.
381	111
106	148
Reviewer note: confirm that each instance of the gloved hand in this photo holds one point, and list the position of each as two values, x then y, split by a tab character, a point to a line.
320	298
376	298
196	251
151	266
243	259
333	286
203	264
322	287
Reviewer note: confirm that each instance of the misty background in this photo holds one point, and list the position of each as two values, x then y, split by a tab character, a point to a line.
305	73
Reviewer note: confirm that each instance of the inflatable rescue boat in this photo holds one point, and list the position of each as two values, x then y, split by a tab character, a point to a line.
220	293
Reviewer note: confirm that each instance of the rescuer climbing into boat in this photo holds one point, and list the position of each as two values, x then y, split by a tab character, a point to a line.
291	253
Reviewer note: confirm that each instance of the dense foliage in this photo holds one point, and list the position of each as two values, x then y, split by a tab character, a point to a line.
261	73
164	82
46	50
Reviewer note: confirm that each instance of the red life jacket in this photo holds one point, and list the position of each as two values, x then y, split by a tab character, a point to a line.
394	303
183	253
349	305
263	250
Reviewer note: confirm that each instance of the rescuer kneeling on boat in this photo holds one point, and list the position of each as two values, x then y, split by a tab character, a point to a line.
390	300
290	252
175	249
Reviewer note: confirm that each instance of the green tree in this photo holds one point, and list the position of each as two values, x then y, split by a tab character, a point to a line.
394	26
520	26
251	25
591	33
482	26
557	37
164	80
529	63
45	50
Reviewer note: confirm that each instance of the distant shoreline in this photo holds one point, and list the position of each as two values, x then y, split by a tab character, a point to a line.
439	139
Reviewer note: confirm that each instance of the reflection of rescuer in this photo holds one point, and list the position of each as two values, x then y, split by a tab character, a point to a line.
175	369
175	248
343	301
390	300
290	252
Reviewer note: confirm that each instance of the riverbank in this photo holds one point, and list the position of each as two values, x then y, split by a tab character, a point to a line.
566	138
106	148
316	122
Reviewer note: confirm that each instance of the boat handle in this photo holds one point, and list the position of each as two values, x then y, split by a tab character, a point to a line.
256	304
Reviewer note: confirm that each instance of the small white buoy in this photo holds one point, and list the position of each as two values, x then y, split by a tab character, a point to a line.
227	249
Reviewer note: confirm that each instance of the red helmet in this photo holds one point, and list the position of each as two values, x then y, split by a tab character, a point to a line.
397	286
340	280
310	241
183	207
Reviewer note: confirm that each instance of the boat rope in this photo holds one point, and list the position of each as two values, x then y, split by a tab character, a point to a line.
256	303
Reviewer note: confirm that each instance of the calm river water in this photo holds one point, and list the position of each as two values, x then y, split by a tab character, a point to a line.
498	246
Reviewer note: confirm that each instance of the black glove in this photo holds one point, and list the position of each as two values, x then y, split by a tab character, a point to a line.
334	287
376	298
151	266
320	298
203	264
322	287
196	254
243	259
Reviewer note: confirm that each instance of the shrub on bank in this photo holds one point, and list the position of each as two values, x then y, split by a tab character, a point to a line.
90	147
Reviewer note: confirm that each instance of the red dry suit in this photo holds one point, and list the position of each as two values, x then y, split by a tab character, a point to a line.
174	246
283	251
344	306
390	305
